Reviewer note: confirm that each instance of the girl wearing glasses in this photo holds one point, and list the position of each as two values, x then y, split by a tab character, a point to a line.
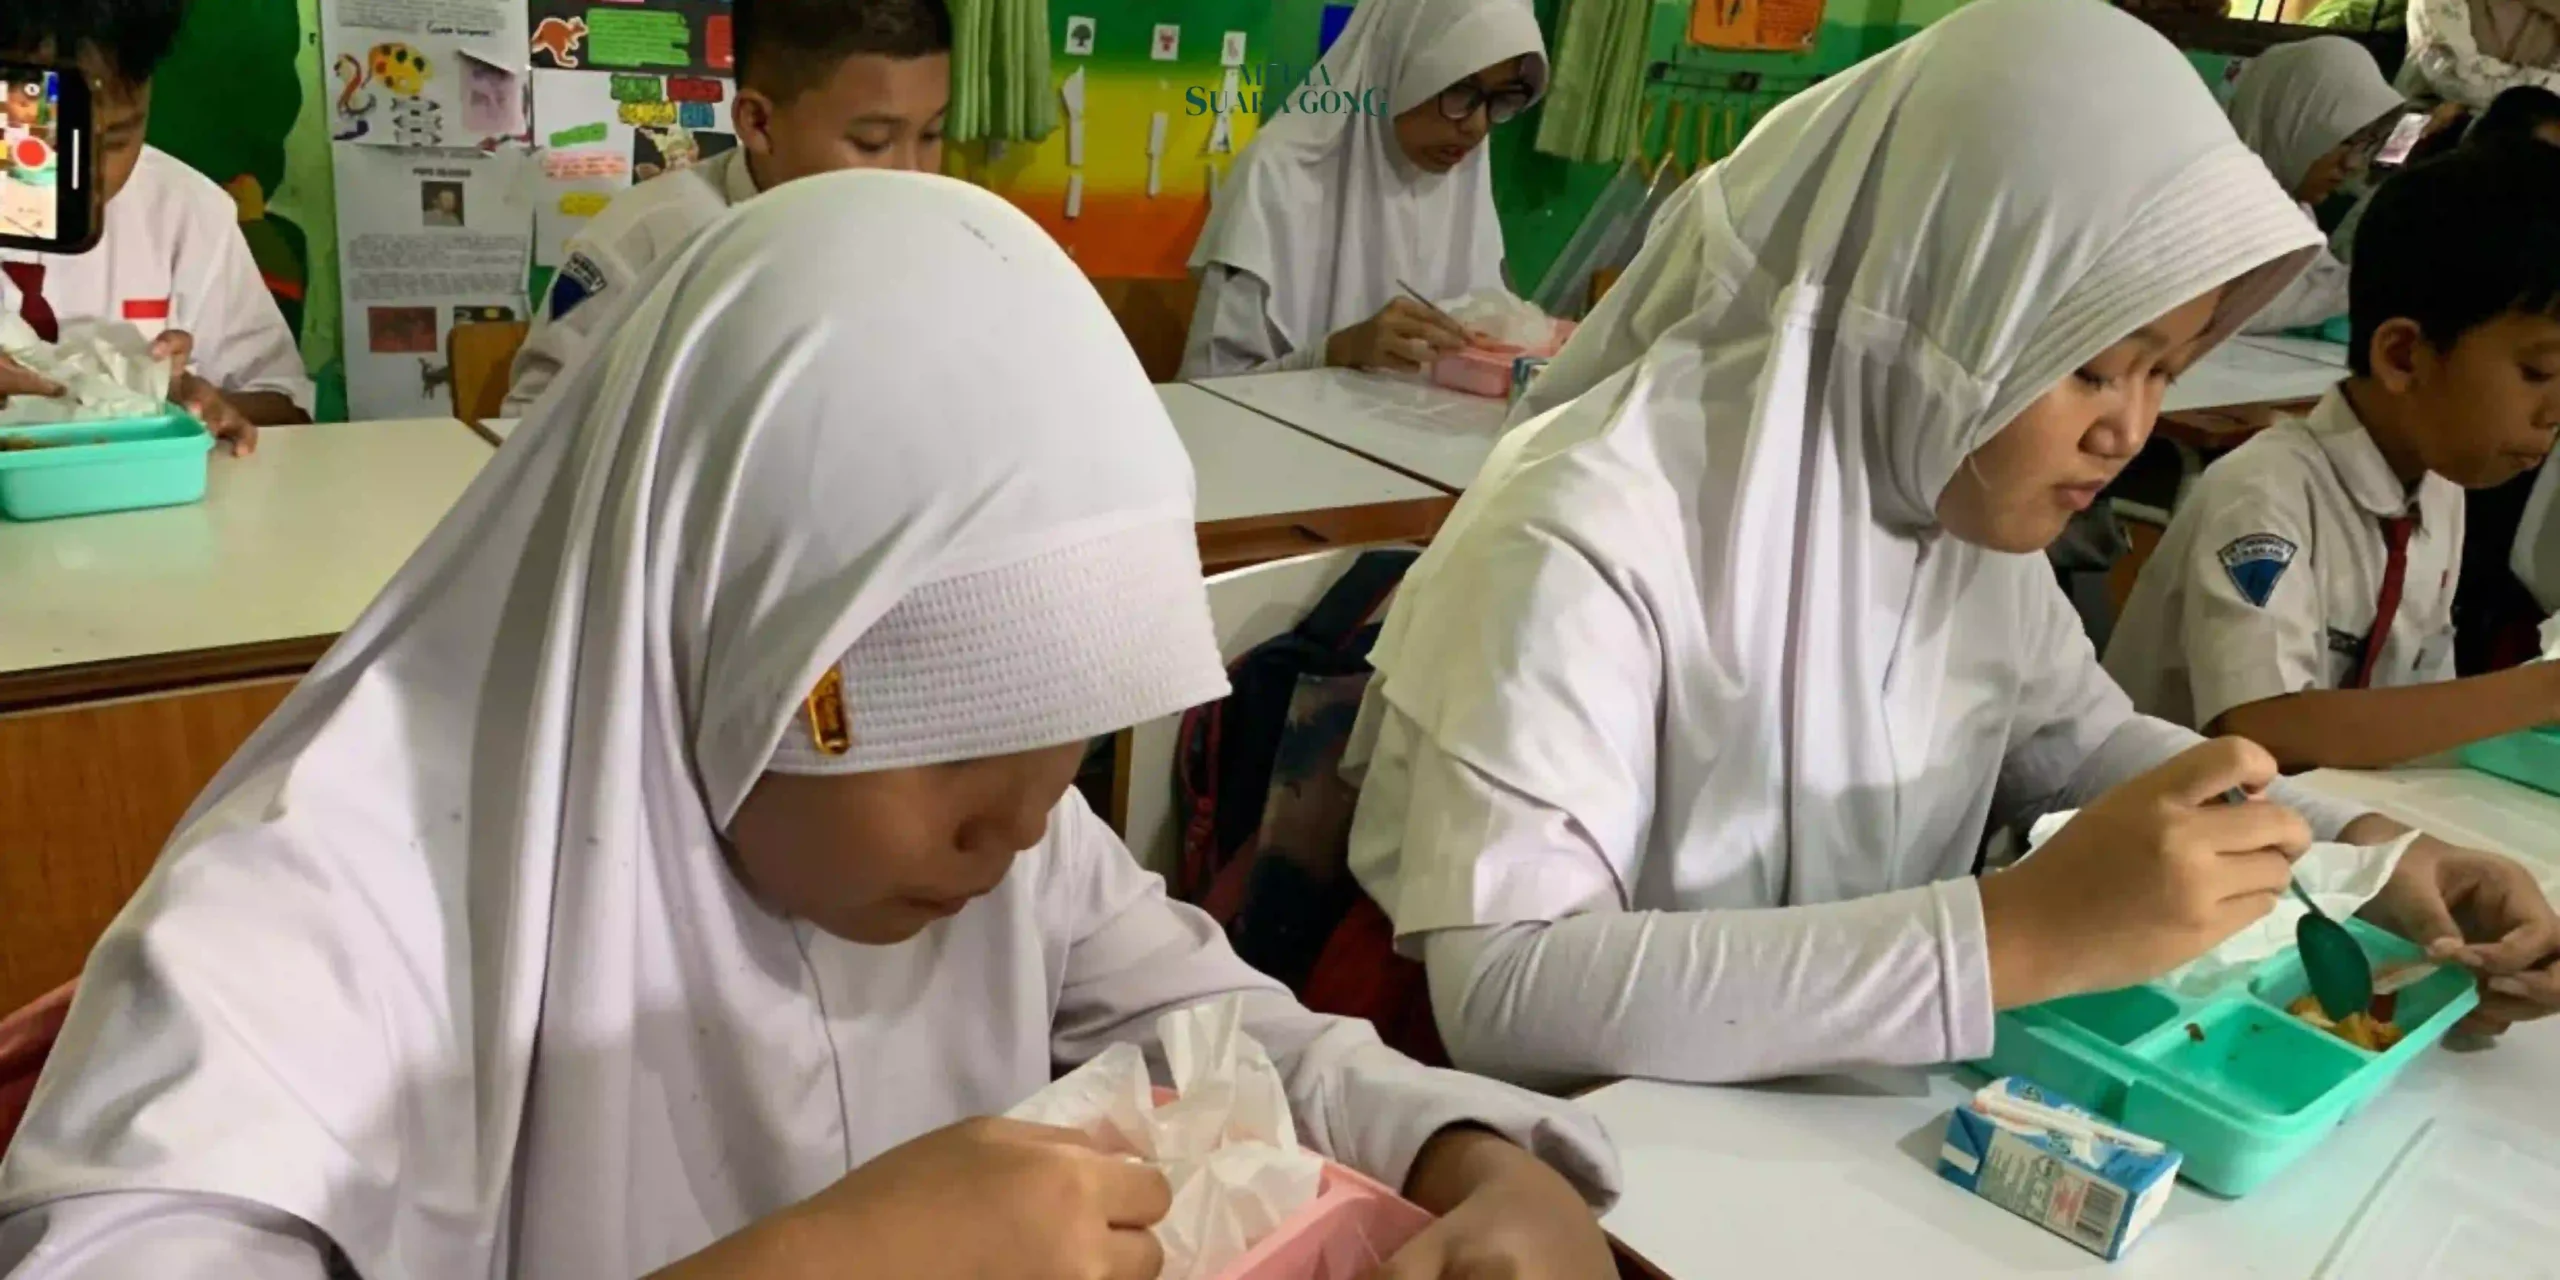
2315	111
1371	177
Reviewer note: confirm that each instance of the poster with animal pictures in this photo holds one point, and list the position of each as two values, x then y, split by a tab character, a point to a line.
1778	25
664	36
426	240
599	132
425	73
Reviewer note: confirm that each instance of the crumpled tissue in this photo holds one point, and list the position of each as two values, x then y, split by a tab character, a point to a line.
1226	1143
106	371
2340	877
1497	314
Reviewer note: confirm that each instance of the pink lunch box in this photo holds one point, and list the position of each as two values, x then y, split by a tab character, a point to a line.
1353	1227
1485	369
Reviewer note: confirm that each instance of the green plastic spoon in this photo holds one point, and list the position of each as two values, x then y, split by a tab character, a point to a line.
2341	974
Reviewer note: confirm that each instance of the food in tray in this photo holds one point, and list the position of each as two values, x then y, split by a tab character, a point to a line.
20	444
2374	1030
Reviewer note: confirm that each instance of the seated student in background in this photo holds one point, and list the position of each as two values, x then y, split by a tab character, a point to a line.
2496	619
1688	727
678	863
170	259
1330	214
2314	110
822	85
2302	597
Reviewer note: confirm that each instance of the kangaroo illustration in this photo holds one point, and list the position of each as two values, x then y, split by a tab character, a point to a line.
433	378
560	37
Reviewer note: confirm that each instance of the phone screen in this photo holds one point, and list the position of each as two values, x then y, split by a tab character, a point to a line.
2402	139
48	201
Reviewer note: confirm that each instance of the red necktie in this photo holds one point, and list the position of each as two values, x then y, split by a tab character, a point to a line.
2386	606
28	278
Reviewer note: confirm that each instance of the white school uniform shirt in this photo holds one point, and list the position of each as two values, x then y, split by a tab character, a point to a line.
447	973
1324	221
1689	726
602	265
2270	574
171	256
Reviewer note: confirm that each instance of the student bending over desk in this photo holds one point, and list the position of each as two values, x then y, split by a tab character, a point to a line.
2302	596
1689	726
554	927
2315	110
171	259
1330	213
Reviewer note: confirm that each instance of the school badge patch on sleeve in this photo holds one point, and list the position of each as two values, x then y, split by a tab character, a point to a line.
578	280
2255	564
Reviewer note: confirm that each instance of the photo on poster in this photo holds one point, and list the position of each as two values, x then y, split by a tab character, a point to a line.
395	331
440	203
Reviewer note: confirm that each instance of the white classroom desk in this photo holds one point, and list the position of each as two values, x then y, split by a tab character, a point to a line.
1837	1176
1249	465
1430	433
2257	370
289	544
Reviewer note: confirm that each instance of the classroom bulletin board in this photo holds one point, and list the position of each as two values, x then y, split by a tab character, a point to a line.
1128	200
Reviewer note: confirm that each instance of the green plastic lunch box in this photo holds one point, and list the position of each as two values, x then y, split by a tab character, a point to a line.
2237	1085
2531	757
85	468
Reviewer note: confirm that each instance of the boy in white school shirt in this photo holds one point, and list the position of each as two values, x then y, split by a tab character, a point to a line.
171	259
2303	594
822	85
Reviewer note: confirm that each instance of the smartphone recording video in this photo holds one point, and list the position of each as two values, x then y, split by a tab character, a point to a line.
2403	138
48	184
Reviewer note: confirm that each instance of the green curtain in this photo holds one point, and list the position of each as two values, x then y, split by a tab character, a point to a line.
1593	99
1000	86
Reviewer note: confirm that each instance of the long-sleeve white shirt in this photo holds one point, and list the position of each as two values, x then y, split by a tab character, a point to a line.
1231	329
1079	921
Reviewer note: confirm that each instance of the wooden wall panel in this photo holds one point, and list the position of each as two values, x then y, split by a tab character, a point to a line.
88	794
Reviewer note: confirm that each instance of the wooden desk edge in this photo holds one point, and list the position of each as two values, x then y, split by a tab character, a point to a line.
2195	427
157	673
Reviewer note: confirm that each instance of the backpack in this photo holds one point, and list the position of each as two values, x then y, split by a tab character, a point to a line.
1266	816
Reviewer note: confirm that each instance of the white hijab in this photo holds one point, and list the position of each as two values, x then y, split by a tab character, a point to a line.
1325	209
1747	442
2296	102
447	962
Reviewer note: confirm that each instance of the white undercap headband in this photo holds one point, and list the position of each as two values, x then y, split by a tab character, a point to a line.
1059	648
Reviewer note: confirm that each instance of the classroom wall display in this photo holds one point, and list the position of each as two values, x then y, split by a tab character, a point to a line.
1155	108
425	73
630	35
601	131
431	239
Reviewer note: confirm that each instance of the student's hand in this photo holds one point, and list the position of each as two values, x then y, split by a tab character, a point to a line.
990	1197
2156	873
2485	913
202	398
1504	1215
18	380
1404	336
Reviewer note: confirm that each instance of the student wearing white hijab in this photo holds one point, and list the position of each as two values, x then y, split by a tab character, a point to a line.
541	933
2314	110
1373	177
1688	729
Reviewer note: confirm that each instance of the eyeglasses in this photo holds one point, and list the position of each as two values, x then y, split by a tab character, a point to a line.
1460	100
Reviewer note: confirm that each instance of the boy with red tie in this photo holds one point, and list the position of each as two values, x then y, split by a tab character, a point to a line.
2302	596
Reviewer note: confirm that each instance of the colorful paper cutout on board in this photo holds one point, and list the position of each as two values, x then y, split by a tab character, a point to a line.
1079	36
718	45
638	38
556	42
1168	42
1789	25
1231	50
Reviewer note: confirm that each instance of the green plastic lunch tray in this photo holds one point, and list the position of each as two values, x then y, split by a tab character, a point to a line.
86	468
2531	757
2237	1085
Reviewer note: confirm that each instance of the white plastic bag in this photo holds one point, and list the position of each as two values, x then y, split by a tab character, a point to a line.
2340	877
106	371
1499	315
1227	1143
